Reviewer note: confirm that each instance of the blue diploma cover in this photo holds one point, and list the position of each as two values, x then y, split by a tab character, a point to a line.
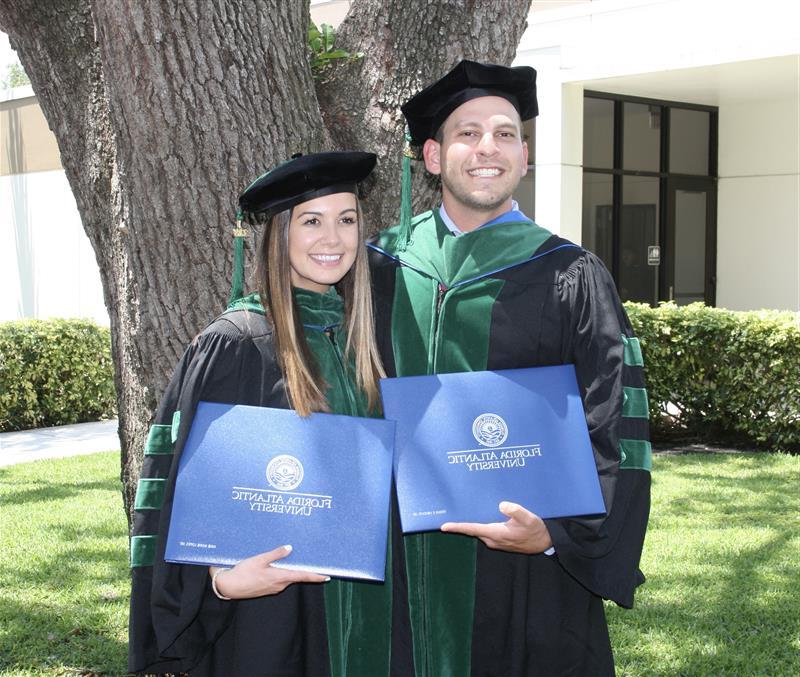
251	479
467	441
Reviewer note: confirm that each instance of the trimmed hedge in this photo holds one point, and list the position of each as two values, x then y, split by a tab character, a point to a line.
54	372
719	375
712	374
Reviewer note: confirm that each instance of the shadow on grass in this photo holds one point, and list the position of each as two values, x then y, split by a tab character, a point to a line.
60	637
724	627
74	625
66	585
720	609
765	497
46	491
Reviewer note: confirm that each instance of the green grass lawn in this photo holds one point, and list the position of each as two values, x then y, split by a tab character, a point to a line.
722	559
63	568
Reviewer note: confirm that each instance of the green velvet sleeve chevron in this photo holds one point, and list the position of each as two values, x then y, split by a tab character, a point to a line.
635	453
158	452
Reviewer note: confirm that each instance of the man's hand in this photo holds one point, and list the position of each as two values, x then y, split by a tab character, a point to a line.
522	532
255	576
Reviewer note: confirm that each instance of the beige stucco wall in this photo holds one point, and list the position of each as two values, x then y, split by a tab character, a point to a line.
758	219
47	266
26	143
329	12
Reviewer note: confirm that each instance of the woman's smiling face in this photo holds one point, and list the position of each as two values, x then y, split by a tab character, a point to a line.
323	240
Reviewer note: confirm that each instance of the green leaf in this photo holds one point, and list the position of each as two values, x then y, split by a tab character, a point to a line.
336	54
321	44
328	37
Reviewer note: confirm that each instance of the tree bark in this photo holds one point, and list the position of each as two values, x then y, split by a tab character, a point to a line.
163	112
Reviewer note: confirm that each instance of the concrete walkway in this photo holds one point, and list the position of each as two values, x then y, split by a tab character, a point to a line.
89	438
58	442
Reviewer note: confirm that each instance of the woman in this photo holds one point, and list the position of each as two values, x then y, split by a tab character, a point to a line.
304	340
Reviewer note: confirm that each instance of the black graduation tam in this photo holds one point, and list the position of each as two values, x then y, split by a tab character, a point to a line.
306	177
426	111
302	178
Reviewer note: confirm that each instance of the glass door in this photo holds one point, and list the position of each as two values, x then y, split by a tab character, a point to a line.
689	273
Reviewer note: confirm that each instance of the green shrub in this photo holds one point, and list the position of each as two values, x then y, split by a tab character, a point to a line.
720	375
54	372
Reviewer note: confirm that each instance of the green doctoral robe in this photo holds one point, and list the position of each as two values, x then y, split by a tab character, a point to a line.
511	295
177	624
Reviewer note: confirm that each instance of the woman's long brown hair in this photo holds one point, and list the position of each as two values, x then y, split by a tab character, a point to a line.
304	384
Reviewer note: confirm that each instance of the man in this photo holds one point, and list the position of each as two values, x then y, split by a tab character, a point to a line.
476	285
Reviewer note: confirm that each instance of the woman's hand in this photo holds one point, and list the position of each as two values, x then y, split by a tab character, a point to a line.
255	577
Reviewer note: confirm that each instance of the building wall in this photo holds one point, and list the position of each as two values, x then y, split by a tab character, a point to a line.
742	57
758	198
559	158
608	38
26	144
758	255
47	266
329	12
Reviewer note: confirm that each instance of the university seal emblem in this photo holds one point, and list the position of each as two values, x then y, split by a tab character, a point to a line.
490	430
284	472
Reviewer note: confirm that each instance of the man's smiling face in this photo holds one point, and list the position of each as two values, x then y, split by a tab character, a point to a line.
481	158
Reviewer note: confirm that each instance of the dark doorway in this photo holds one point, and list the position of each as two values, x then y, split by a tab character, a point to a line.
637	278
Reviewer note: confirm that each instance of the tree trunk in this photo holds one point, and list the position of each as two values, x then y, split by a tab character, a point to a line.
163	112
203	99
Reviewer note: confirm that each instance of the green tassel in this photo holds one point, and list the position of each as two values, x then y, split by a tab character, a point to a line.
239	235
404	236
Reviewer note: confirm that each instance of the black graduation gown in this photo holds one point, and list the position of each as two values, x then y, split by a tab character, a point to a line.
505	296
177	624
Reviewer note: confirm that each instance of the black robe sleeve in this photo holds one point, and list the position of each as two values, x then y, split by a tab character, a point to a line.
174	615
603	553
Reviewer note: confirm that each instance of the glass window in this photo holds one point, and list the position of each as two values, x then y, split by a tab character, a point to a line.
638	231
688	141
623	140
598	133
641	137
529	136
690	246
525	194
597	230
